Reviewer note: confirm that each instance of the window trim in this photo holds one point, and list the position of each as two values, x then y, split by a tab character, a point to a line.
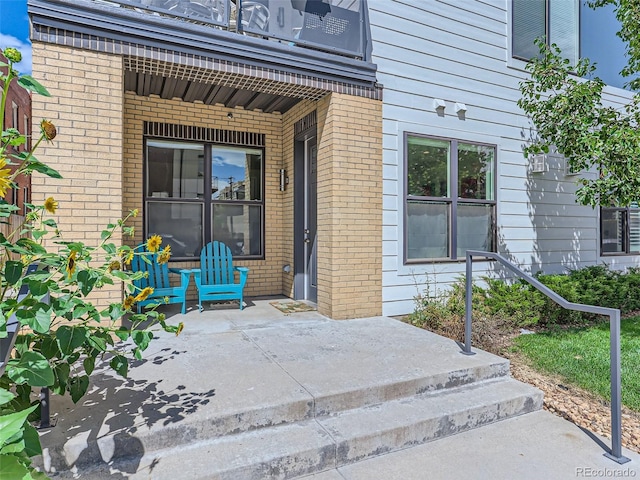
452	201
207	203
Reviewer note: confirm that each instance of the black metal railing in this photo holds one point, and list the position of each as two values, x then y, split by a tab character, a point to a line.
614	324
335	26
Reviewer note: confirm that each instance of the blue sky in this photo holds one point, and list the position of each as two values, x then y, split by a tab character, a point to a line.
14	30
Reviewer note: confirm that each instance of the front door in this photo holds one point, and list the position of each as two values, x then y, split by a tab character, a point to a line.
310	220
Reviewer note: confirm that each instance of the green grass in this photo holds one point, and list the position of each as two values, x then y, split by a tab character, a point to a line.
581	356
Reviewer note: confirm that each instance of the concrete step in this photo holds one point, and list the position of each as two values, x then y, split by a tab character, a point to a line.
326	442
228	393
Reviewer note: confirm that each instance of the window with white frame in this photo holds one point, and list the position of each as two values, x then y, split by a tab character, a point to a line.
450	198
199	192
620	230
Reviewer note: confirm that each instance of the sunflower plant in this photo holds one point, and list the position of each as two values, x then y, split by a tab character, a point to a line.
61	333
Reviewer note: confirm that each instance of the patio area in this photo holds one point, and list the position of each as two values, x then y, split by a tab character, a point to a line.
259	393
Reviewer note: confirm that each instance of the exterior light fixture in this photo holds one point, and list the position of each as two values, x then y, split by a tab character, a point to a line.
284	180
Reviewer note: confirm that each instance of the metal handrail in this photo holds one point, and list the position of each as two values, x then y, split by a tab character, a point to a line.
614	326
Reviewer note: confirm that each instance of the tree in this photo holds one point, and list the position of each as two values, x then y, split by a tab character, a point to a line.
565	104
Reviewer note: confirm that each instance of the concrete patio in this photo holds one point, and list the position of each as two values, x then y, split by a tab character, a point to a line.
258	394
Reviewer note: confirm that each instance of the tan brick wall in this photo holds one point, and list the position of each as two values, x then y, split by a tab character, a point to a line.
99	151
349	207
265	277
86	107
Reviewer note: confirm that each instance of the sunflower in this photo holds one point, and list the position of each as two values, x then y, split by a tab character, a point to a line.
146	291
50	205
12	54
154	242
48	129
180	327
114	265
127	257
128	302
164	255
5	177
71	263
134	212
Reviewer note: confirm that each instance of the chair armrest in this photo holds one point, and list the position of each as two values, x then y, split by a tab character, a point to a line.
244	271
185	275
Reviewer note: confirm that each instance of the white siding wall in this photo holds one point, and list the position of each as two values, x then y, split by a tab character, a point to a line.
458	51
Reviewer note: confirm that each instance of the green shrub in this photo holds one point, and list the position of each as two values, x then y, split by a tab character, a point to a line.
518	304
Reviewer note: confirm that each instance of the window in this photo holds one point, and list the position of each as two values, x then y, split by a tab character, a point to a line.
27	132
579	31
14	116
450	198
199	192
620	230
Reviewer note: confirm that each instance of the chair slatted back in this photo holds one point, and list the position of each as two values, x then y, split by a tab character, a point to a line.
216	264
158	275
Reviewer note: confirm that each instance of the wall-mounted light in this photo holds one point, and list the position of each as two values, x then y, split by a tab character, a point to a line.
438	104
286	268
460	107
284	180
229	115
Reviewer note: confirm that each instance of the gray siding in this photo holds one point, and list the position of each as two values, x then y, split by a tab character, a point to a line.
458	51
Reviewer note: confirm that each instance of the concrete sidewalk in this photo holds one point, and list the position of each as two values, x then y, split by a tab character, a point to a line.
257	394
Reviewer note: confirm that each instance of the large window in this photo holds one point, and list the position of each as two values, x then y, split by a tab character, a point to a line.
579	31
620	230
196	193
450	198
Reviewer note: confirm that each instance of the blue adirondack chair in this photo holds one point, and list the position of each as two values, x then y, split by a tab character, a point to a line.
158	279
216	277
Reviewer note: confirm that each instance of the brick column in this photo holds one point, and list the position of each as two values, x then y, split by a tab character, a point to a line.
86	106
349	206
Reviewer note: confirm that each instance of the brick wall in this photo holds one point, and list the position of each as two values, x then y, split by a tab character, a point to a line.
349	206
86	107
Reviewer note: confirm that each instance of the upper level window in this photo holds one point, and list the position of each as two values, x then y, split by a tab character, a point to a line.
555	20
579	31
620	230
450	198
196	193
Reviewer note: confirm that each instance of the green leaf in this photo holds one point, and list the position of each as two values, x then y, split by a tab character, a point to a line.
89	364
14	447
49	347
31	439
142	338
61	372
37	287
78	387
11	424
31	368
11	468
13	271
5	396
120	364
36	166
86	281
98	343
31	84
70	338
122	333
38	317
